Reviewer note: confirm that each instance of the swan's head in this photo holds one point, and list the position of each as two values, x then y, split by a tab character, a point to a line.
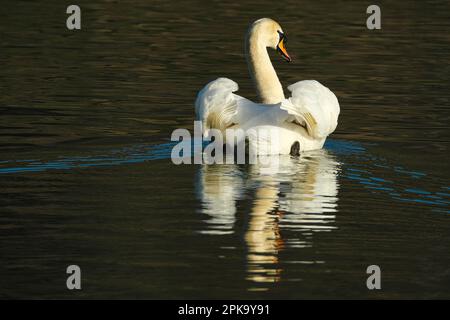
269	33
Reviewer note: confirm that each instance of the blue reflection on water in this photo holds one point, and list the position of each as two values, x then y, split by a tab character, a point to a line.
362	170
136	154
358	166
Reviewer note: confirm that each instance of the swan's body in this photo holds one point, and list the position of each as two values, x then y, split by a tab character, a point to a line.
307	117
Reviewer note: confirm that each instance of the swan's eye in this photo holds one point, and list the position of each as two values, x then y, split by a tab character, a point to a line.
282	36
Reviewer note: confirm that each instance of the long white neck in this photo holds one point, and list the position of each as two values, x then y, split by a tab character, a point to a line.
265	78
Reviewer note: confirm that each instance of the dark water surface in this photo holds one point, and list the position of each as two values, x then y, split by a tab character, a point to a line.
86	176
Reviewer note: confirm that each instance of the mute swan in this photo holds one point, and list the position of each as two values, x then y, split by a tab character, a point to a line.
301	122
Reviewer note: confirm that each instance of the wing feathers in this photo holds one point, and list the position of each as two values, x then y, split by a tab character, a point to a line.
314	105
216	104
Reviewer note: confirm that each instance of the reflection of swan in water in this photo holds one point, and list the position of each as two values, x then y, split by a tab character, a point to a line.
296	194
219	186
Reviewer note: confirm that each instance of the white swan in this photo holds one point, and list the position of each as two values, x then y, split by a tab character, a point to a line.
302	122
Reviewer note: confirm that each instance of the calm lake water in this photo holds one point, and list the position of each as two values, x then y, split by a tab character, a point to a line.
86	176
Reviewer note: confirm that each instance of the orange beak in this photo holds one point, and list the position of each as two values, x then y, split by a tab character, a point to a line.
282	49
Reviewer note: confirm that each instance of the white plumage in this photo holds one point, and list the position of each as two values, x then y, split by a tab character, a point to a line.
308	116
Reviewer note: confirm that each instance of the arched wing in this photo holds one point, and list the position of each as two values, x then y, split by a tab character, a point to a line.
313	106
216	105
